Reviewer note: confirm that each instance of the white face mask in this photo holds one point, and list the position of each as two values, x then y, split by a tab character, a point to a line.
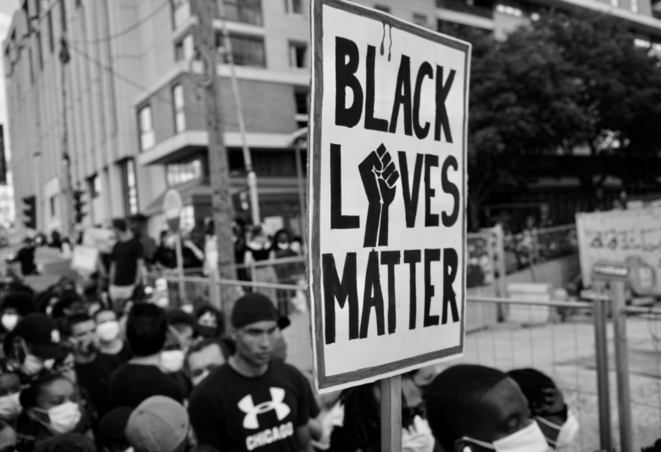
108	331
64	418
418	438
528	439
568	431
10	406
32	365
9	321
172	360
197	380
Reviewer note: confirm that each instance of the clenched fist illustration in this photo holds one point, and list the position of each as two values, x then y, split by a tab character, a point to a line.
379	176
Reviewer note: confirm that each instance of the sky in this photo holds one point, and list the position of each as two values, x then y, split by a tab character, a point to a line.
7	7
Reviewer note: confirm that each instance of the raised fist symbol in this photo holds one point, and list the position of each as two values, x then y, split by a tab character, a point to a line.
379	176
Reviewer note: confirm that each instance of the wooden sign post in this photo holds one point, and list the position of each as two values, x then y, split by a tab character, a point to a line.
387	197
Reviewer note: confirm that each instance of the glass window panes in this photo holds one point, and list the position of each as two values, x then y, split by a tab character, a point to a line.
180	12
420	19
382	8
246	11
179	112
246	50
294	6
184	50
298	55
179	173
146	129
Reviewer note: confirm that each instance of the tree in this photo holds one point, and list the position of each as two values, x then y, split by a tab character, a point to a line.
562	83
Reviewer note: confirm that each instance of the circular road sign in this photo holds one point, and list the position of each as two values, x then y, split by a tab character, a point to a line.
172	205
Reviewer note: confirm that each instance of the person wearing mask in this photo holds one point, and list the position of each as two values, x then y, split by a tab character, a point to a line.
110	435
25	257
473	408
182	326
14	307
10	391
547	406
165	256
126	263
51	407
258	249
159	424
223	407
34	345
91	367
210	322
282	245
107	330
142	377
203	358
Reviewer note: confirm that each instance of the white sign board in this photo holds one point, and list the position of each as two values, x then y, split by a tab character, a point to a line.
172	205
99	238
85	259
387	195
630	236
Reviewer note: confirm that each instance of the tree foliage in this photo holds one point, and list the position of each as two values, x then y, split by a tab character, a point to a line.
561	84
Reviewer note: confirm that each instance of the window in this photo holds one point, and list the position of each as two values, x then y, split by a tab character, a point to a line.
130	187
180	12
180	173
509	10
184	50
294	6
146	129
420	19
246	50
298	55
178	105
94	184
382	8
51	43
246	11
53	206
301	100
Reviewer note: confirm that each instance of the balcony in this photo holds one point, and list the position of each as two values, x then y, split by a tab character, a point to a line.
466	8
244	11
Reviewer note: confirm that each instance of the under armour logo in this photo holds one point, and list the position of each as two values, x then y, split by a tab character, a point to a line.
247	405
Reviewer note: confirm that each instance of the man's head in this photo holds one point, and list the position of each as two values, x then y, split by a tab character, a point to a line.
107	325
158	423
255	328
475	402
14	307
120	227
83	329
110	436
203	358
34	343
146	329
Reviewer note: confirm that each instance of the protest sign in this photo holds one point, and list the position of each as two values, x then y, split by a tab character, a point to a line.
100	238
628	236
85	259
387	196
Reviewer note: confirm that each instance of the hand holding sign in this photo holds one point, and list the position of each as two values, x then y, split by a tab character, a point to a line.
379	176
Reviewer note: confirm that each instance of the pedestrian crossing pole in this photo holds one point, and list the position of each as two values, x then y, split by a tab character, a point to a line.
221	200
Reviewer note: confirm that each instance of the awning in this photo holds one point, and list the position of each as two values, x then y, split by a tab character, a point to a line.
198	191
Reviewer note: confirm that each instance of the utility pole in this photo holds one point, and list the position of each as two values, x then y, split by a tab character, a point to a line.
67	189
221	200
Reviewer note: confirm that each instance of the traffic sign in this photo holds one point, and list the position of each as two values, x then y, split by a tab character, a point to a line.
172	205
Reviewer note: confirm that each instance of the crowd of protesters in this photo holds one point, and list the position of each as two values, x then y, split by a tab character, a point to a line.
79	373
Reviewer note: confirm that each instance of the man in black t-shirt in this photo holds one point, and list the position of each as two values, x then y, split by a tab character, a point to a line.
92	368
142	377
253	402
126	263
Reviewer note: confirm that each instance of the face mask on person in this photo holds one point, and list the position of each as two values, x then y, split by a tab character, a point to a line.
172	360
64	417
9	321
568	431
32	365
418	438
10	406
207	331
108	331
198	379
528	439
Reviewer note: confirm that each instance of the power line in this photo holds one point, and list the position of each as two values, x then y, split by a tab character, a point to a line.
127	30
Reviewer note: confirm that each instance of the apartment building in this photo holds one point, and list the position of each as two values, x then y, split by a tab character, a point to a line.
134	113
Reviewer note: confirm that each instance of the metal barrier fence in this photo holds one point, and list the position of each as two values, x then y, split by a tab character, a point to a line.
536	246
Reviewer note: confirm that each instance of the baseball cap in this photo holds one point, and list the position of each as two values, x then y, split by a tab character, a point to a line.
40	332
158	423
252	308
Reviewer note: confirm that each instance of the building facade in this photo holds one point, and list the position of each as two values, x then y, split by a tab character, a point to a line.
134	116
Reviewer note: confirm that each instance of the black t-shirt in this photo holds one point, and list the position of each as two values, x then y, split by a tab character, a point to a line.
126	255
124	354
94	378
26	258
132	384
231	412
